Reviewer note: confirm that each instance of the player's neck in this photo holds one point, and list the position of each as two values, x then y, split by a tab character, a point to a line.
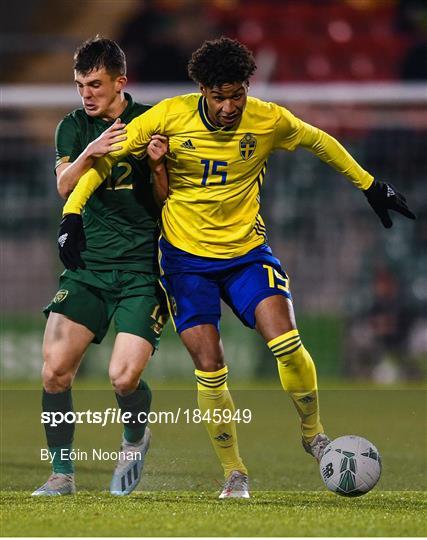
116	109
207	114
213	122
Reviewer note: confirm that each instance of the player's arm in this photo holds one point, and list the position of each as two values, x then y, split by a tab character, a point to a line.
68	174
101	169
156	151
330	151
138	136
381	196
71	237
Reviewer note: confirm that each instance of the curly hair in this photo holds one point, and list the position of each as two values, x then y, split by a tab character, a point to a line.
97	53
221	61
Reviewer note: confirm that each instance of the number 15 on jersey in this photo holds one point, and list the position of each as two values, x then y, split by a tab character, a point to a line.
213	169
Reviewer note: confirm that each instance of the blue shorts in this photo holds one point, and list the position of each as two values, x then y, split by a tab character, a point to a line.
195	285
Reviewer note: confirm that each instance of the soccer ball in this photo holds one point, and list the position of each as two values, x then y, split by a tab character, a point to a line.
350	466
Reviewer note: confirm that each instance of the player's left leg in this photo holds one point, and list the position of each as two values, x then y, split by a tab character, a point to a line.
128	360
139	319
275	321
130	356
259	295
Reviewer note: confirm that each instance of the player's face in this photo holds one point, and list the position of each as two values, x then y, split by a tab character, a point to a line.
100	92
226	103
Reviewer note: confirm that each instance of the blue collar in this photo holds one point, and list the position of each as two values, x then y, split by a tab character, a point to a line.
202	106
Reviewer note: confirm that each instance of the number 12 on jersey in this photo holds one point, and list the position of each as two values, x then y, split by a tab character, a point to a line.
212	169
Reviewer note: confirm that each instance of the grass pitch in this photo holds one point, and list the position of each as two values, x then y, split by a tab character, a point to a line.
182	478
202	514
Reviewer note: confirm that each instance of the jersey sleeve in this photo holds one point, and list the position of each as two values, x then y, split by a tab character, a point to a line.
292	132
67	141
139	132
289	130
329	150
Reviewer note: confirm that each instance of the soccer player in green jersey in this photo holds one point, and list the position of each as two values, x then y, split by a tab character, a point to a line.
213	244
117	277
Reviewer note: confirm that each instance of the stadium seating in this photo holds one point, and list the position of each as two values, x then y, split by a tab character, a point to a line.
337	41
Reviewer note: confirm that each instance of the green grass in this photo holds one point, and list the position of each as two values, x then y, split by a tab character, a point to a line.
202	514
181	480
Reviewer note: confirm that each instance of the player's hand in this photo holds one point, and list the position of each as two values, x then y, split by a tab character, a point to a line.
109	140
71	241
384	197
157	150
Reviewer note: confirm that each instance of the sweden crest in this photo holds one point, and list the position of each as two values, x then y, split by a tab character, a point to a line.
247	146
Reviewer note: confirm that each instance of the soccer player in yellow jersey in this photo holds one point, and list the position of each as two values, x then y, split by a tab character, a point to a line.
213	243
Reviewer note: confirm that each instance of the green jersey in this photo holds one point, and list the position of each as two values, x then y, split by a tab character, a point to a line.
121	219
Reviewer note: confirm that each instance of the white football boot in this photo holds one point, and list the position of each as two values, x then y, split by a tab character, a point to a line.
128	471
57	484
317	446
236	486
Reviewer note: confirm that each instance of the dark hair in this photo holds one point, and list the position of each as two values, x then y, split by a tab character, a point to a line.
97	53
221	61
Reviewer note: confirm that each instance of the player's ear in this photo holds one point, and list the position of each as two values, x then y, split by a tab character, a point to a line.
203	90
121	82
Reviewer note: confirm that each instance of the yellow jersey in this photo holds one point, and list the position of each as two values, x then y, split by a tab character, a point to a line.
216	174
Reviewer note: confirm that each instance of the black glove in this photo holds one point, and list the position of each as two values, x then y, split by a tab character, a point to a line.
71	241
384	197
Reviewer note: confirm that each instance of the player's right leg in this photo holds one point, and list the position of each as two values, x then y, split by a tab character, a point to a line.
64	343
194	305
193	297
205	347
77	316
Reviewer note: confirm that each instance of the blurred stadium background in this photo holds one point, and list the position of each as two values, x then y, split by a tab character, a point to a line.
356	68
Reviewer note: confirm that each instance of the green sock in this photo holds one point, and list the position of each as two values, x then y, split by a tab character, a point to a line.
61	461
59	437
138	401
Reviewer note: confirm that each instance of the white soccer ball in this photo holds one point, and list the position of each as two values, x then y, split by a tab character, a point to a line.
350	466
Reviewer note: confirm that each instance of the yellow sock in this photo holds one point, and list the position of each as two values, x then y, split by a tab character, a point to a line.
298	377
213	395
